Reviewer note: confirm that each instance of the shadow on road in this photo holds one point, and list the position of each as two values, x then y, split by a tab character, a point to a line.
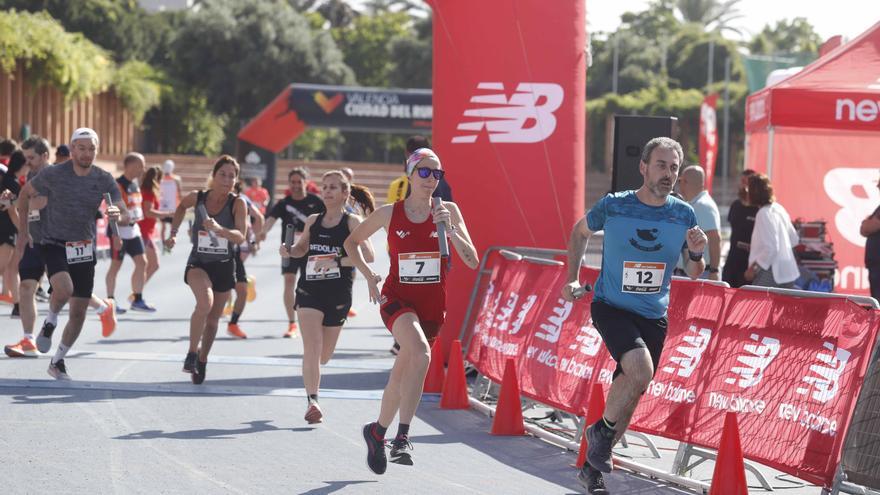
258	426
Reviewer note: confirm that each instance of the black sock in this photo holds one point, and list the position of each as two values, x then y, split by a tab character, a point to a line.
379	431
138	296
402	430
607	424
234	319
15	307
313	398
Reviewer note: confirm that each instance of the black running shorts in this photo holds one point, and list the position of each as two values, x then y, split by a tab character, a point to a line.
334	305
31	266
81	274
221	273
624	331
131	247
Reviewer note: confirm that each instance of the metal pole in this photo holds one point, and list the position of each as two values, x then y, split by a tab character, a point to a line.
615	65
711	61
725	156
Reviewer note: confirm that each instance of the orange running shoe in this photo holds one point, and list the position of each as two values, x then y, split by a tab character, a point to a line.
352	313
6	298
108	318
24	348
291	331
234	330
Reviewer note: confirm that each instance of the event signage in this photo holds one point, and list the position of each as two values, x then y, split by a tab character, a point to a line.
791	371
709	137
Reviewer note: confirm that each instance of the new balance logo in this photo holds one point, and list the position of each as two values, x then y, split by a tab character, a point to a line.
526	117
689	354
553	327
588	341
752	366
434	235
402	233
825	377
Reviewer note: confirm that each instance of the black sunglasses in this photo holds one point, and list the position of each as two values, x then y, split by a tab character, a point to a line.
424	172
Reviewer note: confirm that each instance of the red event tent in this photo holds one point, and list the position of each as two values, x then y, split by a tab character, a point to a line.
817	136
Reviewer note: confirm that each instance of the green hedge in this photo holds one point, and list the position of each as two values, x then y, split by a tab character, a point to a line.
73	65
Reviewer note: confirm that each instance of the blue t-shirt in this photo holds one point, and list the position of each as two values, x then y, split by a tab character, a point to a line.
641	246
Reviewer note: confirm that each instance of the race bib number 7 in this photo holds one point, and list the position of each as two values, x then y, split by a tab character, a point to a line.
79	252
642	277
419	268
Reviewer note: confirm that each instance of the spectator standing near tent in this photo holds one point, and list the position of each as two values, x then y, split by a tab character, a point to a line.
771	253
870	228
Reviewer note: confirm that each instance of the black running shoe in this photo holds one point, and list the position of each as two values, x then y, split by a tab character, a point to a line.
44	338
58	370
189	364
592	480
600	440
16	313
399	448
41	295
198	375
376	460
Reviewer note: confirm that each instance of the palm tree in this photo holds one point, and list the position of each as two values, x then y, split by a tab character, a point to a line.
713	15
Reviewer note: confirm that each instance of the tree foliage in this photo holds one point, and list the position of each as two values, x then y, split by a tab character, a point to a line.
787	36
242	53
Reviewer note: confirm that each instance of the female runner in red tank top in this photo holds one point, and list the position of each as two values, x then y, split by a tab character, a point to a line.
413	298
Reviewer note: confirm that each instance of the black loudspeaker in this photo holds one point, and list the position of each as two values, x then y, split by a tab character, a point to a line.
631	134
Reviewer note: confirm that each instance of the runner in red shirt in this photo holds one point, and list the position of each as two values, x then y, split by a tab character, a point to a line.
413	298
150	193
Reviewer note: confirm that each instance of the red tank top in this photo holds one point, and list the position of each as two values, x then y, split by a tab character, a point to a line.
417	275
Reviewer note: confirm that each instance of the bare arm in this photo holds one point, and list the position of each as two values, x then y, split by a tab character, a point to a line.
258	218
380	218
461	238
21	206
366	247
696	243
577	245
301	247
186	203
239	213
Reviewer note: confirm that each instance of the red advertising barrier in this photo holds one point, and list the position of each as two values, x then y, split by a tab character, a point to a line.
791	368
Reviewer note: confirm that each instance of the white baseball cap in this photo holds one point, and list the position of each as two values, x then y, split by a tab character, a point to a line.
168	166
84	133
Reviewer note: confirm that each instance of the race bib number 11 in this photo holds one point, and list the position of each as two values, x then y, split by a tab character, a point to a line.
79	252
642	277
419	268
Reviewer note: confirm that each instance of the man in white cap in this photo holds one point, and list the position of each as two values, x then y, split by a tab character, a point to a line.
170	192
74	192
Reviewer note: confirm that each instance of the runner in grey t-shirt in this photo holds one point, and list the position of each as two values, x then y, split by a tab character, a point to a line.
74	191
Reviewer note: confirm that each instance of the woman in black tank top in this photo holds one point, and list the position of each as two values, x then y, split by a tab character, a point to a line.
323	294
210	272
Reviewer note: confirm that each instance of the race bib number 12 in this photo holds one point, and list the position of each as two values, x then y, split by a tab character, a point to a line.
642	277
419	268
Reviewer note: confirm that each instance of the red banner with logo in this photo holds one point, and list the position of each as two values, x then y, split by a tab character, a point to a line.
791	370
509	124
709	137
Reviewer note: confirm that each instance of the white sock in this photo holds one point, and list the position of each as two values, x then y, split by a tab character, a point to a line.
60	353
29	336
100	309
52	318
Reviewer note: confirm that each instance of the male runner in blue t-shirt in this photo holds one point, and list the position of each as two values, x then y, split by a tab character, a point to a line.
644	233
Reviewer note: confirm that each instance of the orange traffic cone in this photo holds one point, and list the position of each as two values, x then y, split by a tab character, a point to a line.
436	372
729	477
508	415
455	393
594	413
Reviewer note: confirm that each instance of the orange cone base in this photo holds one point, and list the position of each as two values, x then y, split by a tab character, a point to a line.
508	415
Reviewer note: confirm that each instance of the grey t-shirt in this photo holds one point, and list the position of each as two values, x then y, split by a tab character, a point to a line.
35	217
73	201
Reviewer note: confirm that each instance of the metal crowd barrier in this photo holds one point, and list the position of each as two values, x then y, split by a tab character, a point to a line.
859	469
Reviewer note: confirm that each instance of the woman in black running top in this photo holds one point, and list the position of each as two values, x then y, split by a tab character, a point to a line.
323	294
210	270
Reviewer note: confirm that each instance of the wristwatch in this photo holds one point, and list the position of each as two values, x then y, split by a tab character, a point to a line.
712	269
